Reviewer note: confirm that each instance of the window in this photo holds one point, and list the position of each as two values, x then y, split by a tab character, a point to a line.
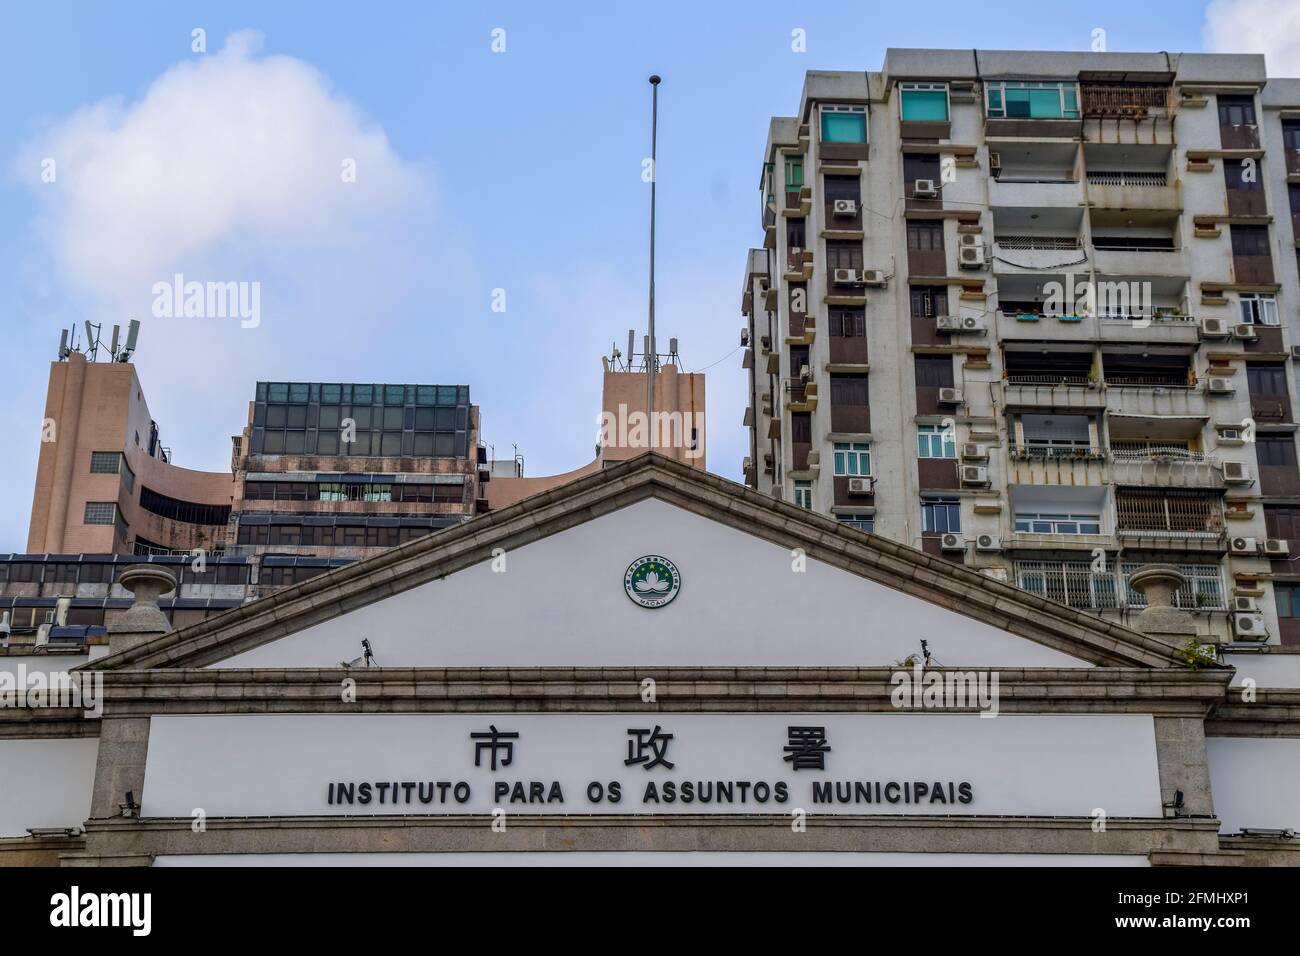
841	187
941	515
849	390
1042	523
935	441
1236	110
189	512
925	235
1291	134
1266	380
1234	176
795	234
803	495
793	172
853	458
1022	99
925	102
929	301
1288	599
844	255
105	462
1258	308
933	371
844	124
1249	240
861	521
101	512
847	323
920	166
1275	450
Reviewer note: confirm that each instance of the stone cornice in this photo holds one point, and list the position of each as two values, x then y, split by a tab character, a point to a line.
676	690
895	565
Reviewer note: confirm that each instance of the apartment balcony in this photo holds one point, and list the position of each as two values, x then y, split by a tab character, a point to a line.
1028	255
1130	395
800	396
1076	584
1160	466
1031	541
1153	519
1133	189
1051	391
1044	463
1136	257
798	203
1035	193
1158	328
1124	100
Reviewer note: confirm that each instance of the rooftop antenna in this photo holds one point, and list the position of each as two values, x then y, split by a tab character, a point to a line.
132	334
92	340
651	359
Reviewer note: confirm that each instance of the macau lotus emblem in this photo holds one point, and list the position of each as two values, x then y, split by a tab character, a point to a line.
652	580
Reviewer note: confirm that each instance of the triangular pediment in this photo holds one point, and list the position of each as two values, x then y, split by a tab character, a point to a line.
753	583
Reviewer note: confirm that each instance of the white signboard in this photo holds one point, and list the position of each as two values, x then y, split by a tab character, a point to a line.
309	764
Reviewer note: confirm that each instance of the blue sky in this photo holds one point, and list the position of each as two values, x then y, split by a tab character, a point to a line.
476	171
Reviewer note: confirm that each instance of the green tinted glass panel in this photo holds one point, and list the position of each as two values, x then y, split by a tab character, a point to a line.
926	105
844	127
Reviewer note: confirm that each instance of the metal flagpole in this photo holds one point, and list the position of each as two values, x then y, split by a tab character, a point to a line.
652	358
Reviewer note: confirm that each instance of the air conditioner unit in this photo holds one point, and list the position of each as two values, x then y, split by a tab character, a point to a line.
1249	627
1214	329
845	207
1221	386
972	323
1244	604
1245	332
925	189
950	396
1242	545
873	277
988	542
947	323
1277	548
977	452
974	475
861	486
952	542
1295	352
995	162
1230	436
805	373
848	277
971	255
1236	473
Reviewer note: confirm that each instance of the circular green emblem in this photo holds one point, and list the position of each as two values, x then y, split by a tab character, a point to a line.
652	580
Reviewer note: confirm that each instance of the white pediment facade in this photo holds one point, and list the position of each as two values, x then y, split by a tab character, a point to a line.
744	601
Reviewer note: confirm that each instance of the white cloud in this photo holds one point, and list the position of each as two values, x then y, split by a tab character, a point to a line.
1270	27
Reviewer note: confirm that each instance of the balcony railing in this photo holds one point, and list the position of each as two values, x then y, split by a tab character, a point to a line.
1121	380
1052	451
1051	379
1035	243
1077	585
1155	514
1127	177
1121	450
1107	99
1154	318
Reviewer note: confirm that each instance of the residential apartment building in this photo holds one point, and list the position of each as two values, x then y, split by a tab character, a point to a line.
1038	313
